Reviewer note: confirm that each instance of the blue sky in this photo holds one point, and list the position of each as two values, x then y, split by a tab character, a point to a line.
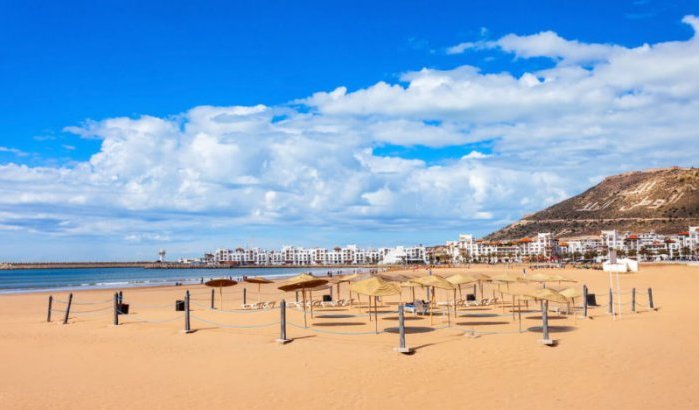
77	78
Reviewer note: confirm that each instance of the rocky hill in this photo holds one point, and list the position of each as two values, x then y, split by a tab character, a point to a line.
661	200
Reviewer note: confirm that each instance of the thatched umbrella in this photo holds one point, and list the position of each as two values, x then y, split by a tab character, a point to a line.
259	280
461	279
480	278
337	280
411	285
375	287
302	282
435	281
546	295
220	284
548	277
571	293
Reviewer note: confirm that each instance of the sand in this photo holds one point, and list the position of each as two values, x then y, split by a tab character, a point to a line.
644	360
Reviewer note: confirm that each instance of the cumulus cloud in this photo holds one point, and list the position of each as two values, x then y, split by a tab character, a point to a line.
601	109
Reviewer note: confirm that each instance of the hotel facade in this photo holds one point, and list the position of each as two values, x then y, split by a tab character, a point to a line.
299	256
545	247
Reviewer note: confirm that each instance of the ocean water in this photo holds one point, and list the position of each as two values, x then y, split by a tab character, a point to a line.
37	280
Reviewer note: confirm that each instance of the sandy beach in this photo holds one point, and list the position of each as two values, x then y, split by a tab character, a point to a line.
645	360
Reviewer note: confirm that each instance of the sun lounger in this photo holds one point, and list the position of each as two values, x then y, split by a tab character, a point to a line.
252	306
269	305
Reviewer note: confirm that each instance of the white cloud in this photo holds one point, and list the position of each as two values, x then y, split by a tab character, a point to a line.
602	109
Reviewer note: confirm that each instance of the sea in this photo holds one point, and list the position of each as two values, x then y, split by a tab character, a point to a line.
39	280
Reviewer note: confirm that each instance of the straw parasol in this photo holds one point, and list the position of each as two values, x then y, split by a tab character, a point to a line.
459	279
345	278
220	284
571	293
302	282
375	287
480	278
410	284
259	280
435	281
547	294
548	277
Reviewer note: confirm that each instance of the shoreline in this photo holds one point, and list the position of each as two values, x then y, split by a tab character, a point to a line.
157	265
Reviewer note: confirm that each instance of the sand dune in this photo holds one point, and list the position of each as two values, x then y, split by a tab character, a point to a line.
644	360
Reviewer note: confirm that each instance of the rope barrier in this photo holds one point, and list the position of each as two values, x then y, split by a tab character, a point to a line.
93	303
333	332
233	326
92	311
238	311
153	321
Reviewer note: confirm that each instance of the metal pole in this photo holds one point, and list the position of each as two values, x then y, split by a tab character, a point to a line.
650	299
70	302
213	297
611	302
187	325
585	300
48	316
116	309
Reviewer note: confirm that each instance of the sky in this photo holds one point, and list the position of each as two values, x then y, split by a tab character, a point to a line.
127	127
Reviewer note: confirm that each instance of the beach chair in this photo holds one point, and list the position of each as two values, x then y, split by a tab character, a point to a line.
419	307
327	303
252	306
485	302
269	305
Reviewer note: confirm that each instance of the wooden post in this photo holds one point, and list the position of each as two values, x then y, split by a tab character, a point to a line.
297	296
633	300
70	302
48	315
519	315
402	348
650	299
245	296
116	309
187	323
376	316
213	298
611	302
545	323
584	300
303	295
282	320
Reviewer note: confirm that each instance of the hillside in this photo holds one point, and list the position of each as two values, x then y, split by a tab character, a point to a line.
661	200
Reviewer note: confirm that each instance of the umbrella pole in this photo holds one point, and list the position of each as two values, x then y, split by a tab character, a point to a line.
310	293
460	295
370	308
220	293
303	293
431	303
376	316
454	304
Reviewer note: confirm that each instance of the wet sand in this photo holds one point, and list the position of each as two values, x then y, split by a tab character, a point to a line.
645	360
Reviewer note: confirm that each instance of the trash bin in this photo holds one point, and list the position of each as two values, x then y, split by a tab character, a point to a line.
591	299
327	298
470	297
123	308
179	305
